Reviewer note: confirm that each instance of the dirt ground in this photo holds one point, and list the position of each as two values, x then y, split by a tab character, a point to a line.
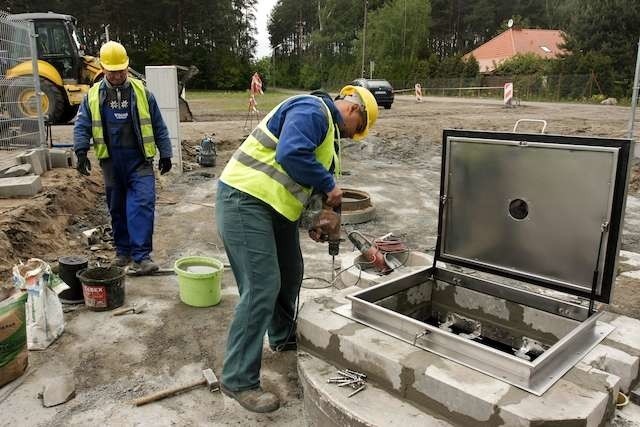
116	359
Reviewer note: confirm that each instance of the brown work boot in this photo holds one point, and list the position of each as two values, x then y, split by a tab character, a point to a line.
144	267
121	261
254	400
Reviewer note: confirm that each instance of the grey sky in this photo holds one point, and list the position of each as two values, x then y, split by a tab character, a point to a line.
263	11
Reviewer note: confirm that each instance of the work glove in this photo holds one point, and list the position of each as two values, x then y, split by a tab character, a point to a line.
325	226
84	165
165	165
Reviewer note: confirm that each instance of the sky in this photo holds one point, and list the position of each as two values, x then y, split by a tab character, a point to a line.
263	11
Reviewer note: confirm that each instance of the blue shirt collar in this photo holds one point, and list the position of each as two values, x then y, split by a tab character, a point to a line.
335	114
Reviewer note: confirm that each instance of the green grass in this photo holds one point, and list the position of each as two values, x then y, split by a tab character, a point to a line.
239	101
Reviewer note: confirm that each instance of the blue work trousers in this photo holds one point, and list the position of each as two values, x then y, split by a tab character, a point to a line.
131	196
264	252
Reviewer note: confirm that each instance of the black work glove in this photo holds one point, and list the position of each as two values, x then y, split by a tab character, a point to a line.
84	165
165	165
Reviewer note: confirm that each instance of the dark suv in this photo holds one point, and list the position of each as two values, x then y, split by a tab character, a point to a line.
381	90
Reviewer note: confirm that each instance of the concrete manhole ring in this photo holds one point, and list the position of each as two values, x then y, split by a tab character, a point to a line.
356	206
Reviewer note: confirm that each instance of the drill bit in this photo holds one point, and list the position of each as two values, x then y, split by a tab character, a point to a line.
333	268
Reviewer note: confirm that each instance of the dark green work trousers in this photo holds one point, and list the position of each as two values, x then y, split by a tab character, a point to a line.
264	252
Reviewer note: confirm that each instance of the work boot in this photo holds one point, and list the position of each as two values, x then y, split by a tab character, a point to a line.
144	267
121	261
254	400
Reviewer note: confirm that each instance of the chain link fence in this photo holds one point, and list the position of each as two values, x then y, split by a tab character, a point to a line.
575	87
21	119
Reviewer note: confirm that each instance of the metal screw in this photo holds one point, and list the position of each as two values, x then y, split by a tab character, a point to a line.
348	375
359	374
349	383
358	390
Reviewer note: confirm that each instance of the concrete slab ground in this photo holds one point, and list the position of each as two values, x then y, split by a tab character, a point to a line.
20	186
629	416
584	396
116	359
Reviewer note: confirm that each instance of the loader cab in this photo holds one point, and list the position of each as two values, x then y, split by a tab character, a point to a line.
57	43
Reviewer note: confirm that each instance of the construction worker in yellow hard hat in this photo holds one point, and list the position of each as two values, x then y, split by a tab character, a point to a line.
368	107
123	119
261	195
113	57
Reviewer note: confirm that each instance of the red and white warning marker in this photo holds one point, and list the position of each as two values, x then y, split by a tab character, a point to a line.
508	94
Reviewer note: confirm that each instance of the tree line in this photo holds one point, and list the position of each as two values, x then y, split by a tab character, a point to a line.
319	43
325	43
217	36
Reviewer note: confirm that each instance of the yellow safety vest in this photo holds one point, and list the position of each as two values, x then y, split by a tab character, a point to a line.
253	168
144	116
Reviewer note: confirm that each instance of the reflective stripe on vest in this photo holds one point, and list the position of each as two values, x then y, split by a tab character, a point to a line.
253	168
144	116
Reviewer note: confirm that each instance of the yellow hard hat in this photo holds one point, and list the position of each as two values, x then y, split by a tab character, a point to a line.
367	101
113	57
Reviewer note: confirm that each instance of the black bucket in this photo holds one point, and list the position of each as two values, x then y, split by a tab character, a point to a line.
68	266
103	287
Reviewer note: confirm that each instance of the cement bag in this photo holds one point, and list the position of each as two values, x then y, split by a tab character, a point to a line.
45	321
14	356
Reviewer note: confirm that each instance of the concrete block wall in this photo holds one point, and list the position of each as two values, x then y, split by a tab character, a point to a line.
45	159
585	396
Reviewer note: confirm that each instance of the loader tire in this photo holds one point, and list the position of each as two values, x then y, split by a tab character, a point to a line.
22	100
70	113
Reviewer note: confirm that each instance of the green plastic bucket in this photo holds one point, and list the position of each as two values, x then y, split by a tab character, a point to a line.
199	279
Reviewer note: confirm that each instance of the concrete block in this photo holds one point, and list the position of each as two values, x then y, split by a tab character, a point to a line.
44	157
34	159
635	395
616	362
20	186
58	390
626	336
60	158
584	396
328	405
20	170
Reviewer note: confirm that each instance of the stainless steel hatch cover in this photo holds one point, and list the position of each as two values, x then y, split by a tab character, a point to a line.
544	209
541	209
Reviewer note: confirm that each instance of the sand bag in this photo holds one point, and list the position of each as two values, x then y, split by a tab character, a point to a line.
45	321
13	337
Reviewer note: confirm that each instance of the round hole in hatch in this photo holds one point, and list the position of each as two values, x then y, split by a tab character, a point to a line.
518	209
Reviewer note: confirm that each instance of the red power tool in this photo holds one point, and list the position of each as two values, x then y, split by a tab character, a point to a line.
369	251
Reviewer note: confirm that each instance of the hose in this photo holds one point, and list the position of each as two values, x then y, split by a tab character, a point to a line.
622	400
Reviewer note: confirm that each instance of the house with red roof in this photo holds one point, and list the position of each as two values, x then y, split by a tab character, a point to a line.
544	43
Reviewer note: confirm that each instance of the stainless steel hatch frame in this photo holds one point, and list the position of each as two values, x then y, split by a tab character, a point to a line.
535	377
540	209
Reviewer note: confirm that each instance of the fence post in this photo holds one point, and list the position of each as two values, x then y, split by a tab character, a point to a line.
36	81
634	105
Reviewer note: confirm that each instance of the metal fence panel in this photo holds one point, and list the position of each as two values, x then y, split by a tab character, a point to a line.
21	119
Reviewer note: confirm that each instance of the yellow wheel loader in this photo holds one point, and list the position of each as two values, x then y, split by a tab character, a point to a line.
65	72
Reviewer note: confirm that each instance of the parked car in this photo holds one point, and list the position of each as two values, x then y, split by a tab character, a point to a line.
381	90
